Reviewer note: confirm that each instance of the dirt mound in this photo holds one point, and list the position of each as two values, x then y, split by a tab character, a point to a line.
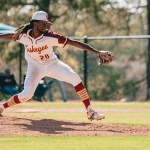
37	127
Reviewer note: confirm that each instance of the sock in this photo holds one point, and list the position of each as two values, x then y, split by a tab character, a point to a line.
81	91
12	101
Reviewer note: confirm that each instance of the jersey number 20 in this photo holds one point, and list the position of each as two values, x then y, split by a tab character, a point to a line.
44	57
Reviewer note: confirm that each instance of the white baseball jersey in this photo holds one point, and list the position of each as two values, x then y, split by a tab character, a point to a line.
40	49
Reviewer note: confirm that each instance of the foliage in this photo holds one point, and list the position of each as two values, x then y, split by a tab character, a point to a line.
79	18
111	84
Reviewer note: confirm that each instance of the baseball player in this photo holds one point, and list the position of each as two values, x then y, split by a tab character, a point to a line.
42	61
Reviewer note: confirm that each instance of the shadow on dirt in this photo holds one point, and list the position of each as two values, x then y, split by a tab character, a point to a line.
51	126
37	126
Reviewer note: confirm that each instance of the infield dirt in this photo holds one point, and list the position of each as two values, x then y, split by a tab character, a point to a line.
14	126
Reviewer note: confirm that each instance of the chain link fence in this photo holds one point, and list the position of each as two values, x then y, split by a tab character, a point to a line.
123	79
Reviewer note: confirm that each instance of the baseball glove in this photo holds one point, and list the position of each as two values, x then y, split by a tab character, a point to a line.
105	57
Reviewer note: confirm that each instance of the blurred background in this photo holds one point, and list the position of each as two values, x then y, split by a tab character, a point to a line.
100	23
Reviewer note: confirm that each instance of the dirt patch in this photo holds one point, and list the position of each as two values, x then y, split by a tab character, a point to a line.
12	126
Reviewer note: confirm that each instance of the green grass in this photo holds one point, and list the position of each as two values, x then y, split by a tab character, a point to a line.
137	119
78	104
75	143
132	113
116	113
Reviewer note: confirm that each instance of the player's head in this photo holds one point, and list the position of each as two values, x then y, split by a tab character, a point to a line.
40	16
40	21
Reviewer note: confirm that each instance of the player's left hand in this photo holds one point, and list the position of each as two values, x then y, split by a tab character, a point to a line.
105	57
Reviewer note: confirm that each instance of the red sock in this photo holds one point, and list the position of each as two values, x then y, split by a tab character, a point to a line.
81	91
12	101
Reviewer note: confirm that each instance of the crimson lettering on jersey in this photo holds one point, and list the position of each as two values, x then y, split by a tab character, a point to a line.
37	49
40	49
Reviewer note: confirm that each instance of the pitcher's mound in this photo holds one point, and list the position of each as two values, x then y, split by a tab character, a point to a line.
36	127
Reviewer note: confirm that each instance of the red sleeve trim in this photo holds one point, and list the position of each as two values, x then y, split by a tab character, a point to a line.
61	39
65	43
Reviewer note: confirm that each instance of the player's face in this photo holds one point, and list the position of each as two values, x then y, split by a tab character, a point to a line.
42	26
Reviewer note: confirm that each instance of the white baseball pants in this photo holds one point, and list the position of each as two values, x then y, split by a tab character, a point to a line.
36	72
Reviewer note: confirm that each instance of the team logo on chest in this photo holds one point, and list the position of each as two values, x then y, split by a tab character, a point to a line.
36	49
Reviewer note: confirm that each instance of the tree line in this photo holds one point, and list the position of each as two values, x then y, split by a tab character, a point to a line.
91	18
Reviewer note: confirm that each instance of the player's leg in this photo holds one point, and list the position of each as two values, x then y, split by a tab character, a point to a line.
63	72
31	81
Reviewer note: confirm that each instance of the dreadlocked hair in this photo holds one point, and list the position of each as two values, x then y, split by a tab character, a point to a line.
22	29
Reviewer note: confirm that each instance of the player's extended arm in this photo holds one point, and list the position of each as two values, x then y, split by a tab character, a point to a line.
104	56
82	46
7	36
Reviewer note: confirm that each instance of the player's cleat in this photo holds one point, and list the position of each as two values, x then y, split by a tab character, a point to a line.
1	108
93	115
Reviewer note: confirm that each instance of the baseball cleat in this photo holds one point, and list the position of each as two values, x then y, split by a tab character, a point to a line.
1	108
93	115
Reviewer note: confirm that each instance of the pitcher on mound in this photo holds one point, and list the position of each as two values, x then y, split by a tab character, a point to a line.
42	61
